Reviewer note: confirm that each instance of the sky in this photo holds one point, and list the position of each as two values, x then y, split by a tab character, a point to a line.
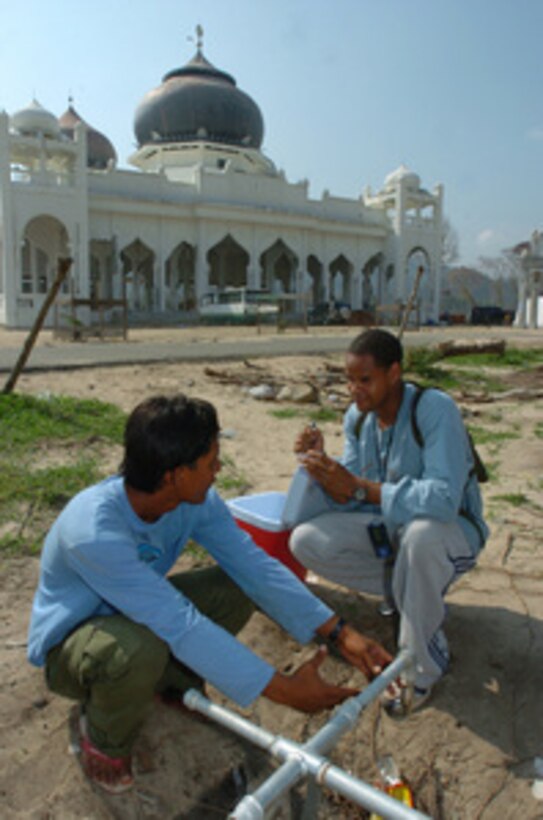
349	89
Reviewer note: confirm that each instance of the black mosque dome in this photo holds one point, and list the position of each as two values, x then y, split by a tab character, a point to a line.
198	102
100	151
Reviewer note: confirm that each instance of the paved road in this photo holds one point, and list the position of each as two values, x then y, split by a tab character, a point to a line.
72	355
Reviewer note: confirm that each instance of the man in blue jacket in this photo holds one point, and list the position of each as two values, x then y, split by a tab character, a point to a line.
409	508
113	631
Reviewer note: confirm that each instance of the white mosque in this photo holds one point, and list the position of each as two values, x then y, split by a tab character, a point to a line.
201	210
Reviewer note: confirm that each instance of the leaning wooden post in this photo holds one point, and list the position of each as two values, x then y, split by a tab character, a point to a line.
410	301
63	267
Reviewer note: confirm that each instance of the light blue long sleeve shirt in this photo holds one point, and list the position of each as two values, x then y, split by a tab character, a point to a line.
433	481
100	558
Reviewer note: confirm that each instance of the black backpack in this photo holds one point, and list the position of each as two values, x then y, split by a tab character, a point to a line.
478	469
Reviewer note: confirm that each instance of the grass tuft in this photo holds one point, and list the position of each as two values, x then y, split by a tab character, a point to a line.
32	492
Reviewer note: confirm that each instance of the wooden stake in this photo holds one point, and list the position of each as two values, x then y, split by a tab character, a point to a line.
64	265
410	301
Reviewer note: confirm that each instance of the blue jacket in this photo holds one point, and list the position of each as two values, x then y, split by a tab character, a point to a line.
100	558
432	481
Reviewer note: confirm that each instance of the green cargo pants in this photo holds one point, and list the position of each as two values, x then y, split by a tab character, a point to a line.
114	666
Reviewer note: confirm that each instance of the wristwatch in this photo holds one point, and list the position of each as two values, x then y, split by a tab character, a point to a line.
359	494
333	635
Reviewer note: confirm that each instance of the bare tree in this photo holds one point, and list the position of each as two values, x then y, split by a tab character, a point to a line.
449	243
503	270
499	267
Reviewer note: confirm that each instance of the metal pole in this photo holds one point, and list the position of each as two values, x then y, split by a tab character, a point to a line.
299	761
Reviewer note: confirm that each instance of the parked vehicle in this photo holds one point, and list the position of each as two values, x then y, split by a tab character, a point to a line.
490	315
238	303
329	313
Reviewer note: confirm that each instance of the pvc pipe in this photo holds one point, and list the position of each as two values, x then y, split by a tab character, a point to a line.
347	714
299	761
254	806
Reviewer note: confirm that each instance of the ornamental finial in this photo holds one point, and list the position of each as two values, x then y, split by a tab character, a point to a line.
199	38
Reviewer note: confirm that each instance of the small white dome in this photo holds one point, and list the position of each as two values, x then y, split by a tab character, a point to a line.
402	174
34	119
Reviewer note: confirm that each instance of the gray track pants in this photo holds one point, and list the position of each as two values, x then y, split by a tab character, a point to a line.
431	555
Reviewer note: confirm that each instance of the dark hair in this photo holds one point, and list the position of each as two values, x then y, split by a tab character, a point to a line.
165	432
385	348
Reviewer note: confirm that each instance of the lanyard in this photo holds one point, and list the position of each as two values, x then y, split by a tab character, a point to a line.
383	453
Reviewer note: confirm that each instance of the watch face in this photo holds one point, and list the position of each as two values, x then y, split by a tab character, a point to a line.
359	494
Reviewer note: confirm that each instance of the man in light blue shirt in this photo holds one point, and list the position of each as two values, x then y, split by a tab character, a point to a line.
410	509
113	631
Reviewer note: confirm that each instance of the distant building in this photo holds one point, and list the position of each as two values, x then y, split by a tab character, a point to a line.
203	210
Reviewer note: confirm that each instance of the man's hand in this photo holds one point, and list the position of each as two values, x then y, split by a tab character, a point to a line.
364	653
310	438
338	482
305	690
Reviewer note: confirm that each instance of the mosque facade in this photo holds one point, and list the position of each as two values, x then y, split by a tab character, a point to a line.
201	210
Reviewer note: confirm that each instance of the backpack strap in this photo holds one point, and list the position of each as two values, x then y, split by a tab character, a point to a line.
478	469
415	429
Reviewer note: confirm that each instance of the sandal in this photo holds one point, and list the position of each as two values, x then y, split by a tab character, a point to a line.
112	774
400	700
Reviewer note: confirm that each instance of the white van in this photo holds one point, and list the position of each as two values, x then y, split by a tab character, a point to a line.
238	303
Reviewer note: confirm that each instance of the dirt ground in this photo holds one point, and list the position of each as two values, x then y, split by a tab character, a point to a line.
468	755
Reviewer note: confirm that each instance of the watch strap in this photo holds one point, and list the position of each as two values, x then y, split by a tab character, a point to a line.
333	635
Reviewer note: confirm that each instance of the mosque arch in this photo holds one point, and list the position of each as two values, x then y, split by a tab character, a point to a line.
228	262
279	264
44	241
340	273
180	278
374	284
418	259
315	271
138	265
102	270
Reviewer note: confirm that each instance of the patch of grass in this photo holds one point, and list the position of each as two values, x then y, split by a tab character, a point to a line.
26	420
31	499
515	499
31	495
481	435
231	481
425	365
325	414
421	365
492	470
512	357
286	413
322	414
16	544
538	429
50	487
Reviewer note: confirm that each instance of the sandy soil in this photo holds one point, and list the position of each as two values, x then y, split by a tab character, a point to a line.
469	754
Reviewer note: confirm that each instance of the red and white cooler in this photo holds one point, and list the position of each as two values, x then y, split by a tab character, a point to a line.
271	517
261	515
